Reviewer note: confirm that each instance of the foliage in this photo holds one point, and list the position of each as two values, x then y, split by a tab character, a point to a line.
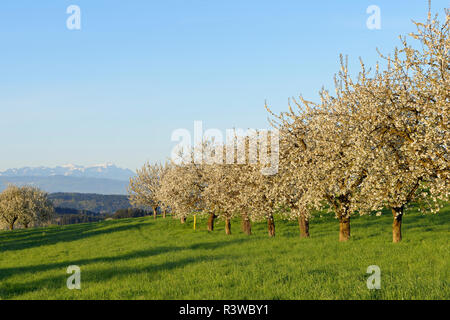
98	203
130	213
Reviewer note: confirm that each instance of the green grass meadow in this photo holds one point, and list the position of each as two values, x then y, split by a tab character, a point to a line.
145	259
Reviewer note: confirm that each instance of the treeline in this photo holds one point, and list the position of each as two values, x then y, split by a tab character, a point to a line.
65	216
92	202
66	211
65	219
380	141
130	213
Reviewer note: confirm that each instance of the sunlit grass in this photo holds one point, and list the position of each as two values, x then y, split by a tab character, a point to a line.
143	259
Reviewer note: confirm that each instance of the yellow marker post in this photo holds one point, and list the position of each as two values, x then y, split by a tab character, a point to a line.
195	220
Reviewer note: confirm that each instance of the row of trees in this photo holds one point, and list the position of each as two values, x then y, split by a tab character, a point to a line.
380	141
26	206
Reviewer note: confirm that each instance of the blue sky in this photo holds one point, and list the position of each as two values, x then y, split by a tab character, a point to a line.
137	70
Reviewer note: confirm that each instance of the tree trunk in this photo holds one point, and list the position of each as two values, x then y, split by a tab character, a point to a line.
344	229
211	219
304	226
183	219
11	225
246	225
271	226
164	213
154	212
25	225
397	225
228	226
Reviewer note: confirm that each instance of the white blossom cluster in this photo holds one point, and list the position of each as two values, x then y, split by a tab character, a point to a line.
25	206
380	141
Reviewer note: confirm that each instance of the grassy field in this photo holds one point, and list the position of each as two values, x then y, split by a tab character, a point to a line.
143	259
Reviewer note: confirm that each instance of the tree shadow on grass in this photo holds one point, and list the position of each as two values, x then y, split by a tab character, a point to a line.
39	237
8	291
8	272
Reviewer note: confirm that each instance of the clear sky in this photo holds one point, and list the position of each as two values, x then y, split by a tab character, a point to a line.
115	90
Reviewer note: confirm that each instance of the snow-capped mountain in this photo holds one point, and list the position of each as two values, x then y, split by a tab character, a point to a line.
103	171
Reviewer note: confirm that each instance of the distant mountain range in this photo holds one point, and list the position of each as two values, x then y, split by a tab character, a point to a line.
101	179
105	171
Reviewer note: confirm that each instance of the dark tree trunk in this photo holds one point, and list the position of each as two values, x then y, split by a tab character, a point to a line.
304	226
11	225
228	226
271	226
246	225
183	219
26	225
397	225
211	219
344	228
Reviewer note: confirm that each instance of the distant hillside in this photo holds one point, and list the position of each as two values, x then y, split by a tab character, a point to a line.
97	203
68	184
64	216
66	211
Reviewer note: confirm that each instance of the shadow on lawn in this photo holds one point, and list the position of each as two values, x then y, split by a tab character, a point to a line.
8	272
8	291
38	237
